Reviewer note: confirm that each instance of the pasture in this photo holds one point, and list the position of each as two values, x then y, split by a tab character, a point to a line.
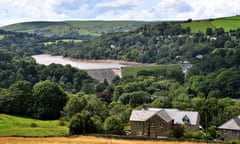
19	126
133	71
1	37
227	24
63	40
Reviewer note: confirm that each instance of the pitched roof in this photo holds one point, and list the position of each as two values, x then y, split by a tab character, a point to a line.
232	124
165	114
141	115
182	115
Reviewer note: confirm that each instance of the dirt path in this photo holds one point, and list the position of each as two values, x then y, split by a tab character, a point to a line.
79	140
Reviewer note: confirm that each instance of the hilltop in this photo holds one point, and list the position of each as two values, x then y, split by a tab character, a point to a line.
76	28
227	23
86	29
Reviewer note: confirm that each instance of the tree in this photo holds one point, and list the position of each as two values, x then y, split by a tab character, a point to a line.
81	123
17	99
49	100
113	124
74	105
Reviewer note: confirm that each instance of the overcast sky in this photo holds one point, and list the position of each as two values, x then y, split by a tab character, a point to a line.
13	11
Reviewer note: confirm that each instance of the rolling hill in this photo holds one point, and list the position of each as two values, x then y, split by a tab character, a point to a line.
75	28
226	23
97	28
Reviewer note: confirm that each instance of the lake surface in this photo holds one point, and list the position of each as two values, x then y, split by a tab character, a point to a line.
80	64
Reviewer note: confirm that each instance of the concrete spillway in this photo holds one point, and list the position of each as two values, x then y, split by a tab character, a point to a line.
102	74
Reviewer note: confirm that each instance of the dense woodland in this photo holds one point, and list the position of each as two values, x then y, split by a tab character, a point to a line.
211	86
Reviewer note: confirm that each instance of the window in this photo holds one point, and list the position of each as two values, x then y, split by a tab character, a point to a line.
234	133
139	123
152	124
186	120
224	132
161	125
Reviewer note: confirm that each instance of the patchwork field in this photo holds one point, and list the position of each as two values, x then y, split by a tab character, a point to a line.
80	140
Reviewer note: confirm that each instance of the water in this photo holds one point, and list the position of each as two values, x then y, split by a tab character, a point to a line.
80	64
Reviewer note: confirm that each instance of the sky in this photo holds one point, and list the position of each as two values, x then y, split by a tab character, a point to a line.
15	11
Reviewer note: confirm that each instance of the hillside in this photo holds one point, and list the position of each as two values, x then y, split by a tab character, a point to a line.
75	28
21	126
226	23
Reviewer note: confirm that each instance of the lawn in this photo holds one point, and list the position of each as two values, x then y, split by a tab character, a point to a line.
81	140
19	126
132	71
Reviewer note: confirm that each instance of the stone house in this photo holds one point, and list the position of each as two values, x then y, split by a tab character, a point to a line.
158	122
230	129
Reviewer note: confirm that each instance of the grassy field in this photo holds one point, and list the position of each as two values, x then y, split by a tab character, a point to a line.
1	37
63	40
227	23
93	28
81	140
18	126
132	71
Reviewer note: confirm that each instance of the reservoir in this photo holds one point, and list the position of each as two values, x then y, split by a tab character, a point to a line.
80	64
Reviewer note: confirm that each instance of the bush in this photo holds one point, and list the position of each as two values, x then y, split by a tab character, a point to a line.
81	123
178	131
113	124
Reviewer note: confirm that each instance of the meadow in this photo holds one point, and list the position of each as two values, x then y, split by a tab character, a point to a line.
63	40
1	37
19	126
132	71
227	24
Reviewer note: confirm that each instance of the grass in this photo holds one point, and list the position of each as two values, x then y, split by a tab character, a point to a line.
63	40
19	126
93	28
197	26
1	37
132	71
226	23
82	140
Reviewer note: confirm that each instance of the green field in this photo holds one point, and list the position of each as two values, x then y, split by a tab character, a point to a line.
19	126
93	28
227	24
63	40
132	71
1	37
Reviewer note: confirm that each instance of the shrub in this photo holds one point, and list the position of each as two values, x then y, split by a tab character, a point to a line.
81	123
113	124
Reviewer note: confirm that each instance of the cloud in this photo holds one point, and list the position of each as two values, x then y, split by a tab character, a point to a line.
12	11
119	3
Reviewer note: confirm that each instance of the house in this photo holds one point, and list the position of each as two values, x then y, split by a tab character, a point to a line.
230	129
158	122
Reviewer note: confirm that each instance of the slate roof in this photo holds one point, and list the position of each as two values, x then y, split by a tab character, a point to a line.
192	116
141	115
165	114
232	124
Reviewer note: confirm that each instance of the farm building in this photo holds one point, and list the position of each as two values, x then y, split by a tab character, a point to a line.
158	122
230	129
